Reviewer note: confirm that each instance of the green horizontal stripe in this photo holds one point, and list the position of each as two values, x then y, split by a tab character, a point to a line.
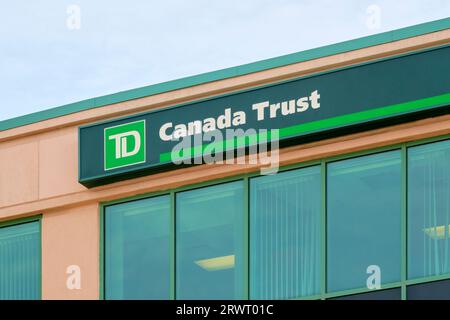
362	116
319	125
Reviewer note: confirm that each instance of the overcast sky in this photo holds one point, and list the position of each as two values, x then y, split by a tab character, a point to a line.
50	55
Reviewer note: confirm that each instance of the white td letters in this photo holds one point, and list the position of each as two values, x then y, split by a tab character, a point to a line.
121	144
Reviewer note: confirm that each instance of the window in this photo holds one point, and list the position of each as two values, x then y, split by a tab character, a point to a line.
364	213
20	258
296	233
429	209
137	249
437	290
210	242
388	294
285	234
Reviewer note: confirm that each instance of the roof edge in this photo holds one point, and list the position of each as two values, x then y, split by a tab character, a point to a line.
310	54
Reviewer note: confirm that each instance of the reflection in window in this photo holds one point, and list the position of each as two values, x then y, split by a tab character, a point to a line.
285	235
210	242
137	252
20	262
363	211
429	209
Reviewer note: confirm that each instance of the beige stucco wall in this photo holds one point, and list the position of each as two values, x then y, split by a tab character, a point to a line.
39	165
70	238
19	172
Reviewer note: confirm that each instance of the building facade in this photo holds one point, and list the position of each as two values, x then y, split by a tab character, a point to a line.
350	201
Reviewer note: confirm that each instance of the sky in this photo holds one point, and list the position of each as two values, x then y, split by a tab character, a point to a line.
54	52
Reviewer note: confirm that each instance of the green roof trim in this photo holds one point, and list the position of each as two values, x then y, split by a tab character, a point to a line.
244	69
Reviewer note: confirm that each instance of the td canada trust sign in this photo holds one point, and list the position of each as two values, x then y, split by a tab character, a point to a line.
125	144
335	102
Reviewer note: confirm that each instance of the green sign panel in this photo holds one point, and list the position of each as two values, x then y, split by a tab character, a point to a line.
337	102
124	145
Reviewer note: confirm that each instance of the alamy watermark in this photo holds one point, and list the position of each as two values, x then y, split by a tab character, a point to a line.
374	280
233	146
73	281
73	21
373	19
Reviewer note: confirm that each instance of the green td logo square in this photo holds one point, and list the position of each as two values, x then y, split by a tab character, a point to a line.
124	145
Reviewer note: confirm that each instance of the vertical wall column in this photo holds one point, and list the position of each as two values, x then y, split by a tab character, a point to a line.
70	243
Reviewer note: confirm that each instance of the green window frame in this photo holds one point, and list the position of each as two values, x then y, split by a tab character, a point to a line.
402	284
34	289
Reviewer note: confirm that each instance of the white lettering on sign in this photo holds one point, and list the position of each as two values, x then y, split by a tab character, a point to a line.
287	107
121	141
168	131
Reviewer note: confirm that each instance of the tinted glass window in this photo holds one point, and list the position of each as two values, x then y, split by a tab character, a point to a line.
20	258
210	242
388	294
438	290
285	239
364	212
137	249
429	210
